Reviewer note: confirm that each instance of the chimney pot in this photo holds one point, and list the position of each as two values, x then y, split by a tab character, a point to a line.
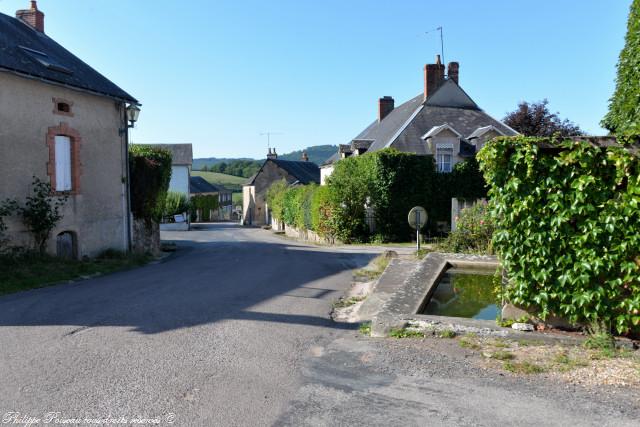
305	157
32	17
385	106
453	71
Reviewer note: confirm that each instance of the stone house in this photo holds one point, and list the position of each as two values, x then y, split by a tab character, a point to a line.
201	187
442	121
65	123
254	192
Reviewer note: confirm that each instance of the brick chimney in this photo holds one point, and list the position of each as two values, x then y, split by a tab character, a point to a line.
453	71
385	106
33	17
305	156
433	77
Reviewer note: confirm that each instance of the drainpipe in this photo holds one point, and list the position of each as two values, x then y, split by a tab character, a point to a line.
128	180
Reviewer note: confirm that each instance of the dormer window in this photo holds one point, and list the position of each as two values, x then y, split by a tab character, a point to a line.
444	157
62	107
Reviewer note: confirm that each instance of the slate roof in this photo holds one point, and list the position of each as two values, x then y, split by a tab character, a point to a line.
182	154
404	126
200	185
45	59
304	172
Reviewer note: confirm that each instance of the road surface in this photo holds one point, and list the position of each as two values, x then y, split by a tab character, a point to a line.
234	330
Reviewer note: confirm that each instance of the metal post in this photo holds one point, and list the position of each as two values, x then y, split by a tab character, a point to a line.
418	230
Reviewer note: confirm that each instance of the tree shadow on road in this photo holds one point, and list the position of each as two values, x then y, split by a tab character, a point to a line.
205	282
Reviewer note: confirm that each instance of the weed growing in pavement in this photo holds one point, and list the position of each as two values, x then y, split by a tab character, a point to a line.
468	342
406	333
502	355
523	367
365	328
446	333
348	302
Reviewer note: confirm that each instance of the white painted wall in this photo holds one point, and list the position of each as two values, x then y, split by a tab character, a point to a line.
325	172
179	179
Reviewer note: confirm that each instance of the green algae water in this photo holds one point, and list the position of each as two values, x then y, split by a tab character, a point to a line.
463	293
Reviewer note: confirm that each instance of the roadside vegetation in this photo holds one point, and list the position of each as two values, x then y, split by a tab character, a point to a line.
374	269
367	197
22	270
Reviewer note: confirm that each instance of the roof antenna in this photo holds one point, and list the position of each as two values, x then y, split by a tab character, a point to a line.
441	42
269	137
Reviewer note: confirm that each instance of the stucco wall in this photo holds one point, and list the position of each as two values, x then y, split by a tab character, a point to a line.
97	213
179	179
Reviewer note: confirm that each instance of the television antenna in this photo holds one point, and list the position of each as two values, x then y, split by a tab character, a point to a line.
269	137
441	41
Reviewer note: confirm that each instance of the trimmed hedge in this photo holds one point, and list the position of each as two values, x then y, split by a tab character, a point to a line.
567	227
387	181
206	203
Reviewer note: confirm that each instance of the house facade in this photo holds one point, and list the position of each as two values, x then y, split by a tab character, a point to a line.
442	121
66	124
181	161
254	193
201	187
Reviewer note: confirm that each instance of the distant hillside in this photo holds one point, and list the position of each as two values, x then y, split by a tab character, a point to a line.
210	161
230	182
317	154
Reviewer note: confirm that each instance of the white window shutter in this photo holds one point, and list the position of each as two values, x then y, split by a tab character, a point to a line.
63	163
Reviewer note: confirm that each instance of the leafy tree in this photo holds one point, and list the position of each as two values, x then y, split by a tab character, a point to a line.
41	212
535	119
624	107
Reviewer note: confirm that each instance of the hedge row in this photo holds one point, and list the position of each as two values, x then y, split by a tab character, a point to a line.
150	170
388	183
567	220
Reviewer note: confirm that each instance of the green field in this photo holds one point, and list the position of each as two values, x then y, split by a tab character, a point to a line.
230	182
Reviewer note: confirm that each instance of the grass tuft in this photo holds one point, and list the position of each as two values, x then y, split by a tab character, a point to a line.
523	367
406	333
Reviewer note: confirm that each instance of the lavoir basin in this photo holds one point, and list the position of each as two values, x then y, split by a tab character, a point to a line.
463	293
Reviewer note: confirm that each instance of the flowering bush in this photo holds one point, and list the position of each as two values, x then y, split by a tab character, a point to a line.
473	232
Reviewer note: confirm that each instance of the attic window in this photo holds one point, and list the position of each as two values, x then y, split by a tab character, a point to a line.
62	107
46	61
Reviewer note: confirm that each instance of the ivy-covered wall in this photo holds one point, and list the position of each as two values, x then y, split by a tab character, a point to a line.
567	217
150	170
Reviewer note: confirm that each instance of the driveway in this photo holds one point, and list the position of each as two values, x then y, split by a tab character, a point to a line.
234	330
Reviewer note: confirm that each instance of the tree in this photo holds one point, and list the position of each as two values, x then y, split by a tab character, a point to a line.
535	119
624	107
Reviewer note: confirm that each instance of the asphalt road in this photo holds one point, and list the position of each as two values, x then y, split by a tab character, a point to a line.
234	329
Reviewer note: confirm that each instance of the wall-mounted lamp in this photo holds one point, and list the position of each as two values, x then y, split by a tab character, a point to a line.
132	111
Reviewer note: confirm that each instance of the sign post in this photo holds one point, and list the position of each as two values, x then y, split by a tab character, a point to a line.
417	219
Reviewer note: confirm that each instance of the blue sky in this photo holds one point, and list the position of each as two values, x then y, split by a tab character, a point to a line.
218	73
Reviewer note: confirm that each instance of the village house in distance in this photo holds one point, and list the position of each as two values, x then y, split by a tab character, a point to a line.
442	121
254	192
66	124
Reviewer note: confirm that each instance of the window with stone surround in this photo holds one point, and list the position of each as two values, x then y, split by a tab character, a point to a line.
63	167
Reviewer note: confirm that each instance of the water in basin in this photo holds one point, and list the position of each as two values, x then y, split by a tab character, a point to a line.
464	293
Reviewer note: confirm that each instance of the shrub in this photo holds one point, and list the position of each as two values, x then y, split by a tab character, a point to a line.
473	232
175	203
567	223
41	212
150	170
